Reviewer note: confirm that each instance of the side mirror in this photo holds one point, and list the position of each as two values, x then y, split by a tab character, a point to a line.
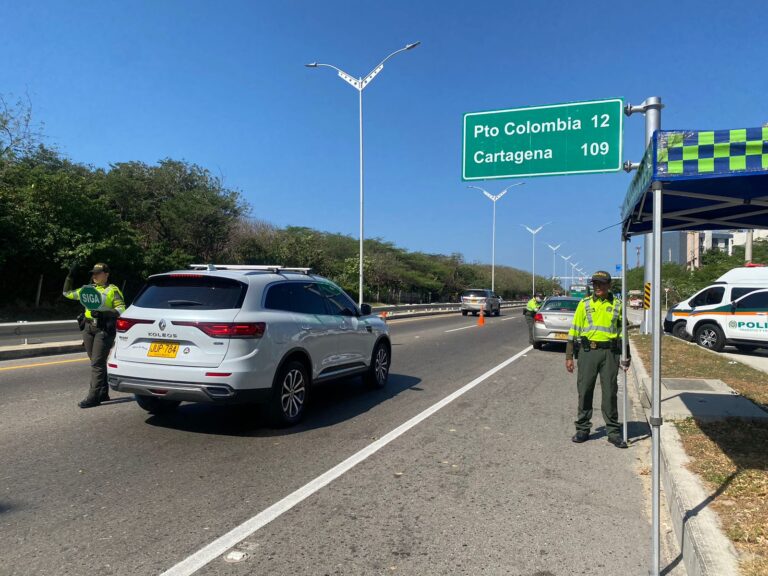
365	310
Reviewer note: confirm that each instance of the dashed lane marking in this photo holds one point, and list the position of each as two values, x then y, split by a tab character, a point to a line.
462	328
210	552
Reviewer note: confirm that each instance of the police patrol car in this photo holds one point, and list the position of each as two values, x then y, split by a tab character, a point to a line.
742	323
728	288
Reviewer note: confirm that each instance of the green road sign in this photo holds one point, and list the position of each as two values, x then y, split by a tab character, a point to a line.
575	138
91	298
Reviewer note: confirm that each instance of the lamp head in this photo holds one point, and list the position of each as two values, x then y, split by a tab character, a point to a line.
412	46
311	65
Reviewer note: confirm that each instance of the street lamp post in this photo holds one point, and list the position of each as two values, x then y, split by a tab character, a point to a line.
554	260
574	266
493	199
359	84
533	258
565	266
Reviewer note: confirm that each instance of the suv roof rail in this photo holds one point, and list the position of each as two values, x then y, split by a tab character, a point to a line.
275	269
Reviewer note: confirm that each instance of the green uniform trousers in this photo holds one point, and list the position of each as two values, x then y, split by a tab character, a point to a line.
97	344
529	321
605	363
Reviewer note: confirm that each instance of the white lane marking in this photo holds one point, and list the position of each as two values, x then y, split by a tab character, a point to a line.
210	552
462	328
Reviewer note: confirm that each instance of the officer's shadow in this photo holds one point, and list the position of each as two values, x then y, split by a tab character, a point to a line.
636	431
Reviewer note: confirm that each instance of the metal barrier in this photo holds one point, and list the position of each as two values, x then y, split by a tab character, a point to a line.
22	333
405	310
18	333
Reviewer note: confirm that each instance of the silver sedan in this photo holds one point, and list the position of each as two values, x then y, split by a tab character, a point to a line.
553	320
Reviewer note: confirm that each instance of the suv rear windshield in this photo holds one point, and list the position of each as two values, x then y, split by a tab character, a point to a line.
190	292
475	293
561	305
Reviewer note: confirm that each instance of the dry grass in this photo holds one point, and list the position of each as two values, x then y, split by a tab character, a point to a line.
732	459
685	360
730	456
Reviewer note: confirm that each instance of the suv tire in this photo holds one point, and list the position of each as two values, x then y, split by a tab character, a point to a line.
289	394
710	336
537	345
155	405
678	331
463	312
498	311
378	372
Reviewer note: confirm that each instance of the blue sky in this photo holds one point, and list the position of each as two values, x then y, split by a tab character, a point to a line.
222	84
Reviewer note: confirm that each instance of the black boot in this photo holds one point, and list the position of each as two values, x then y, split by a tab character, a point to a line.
88	403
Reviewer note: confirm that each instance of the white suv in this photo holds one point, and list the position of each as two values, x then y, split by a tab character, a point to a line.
742	323
241	334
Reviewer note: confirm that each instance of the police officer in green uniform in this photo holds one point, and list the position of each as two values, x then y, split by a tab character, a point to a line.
530	311
98	328
596	337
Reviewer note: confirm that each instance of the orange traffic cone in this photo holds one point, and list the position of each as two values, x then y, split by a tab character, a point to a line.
481	319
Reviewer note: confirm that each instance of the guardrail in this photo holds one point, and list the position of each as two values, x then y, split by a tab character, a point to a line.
22	333
404	310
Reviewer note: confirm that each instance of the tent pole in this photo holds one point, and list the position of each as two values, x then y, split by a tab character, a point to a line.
624	341
656	395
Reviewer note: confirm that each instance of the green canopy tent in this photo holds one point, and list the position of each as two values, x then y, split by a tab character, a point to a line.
692	180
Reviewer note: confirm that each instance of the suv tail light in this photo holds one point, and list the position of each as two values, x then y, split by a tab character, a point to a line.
124	324
539	318
228	329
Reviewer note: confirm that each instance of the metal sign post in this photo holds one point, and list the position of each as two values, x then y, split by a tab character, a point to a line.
655	419
624	342
652	110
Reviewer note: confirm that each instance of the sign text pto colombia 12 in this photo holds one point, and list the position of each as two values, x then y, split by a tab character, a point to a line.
575	138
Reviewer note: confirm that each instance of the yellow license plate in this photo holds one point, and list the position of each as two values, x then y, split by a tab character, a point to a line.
561	336
163	349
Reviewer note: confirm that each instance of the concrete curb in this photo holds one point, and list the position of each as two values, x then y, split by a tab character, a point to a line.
706	550
34	350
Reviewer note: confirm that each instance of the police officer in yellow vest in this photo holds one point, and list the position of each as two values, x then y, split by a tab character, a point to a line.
530	311
98	328
596	337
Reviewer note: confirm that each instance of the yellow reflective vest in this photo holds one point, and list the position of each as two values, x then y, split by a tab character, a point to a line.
597	319
113	298
532	305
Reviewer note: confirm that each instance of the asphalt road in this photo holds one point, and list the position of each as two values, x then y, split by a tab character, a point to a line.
489	484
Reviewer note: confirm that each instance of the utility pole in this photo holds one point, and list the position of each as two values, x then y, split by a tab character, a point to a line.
638	257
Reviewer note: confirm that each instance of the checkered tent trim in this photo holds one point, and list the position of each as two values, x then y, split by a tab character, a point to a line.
691	153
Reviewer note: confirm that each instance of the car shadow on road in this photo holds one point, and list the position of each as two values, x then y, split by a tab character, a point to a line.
330	404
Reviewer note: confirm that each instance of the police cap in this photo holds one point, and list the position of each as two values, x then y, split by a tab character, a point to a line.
100	267
601	276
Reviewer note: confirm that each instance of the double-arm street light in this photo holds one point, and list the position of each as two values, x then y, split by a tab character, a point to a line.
554	261
533	260
359	84
493	199
565	266
574	266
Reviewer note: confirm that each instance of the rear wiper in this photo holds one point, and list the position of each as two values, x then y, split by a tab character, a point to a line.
175	303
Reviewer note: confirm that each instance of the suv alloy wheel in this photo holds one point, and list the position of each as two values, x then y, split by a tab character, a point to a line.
289	394
378	373
710	336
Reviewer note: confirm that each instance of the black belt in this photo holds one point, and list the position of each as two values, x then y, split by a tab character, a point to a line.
587	344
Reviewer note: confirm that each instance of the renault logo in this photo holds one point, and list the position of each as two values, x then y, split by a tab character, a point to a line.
162	325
